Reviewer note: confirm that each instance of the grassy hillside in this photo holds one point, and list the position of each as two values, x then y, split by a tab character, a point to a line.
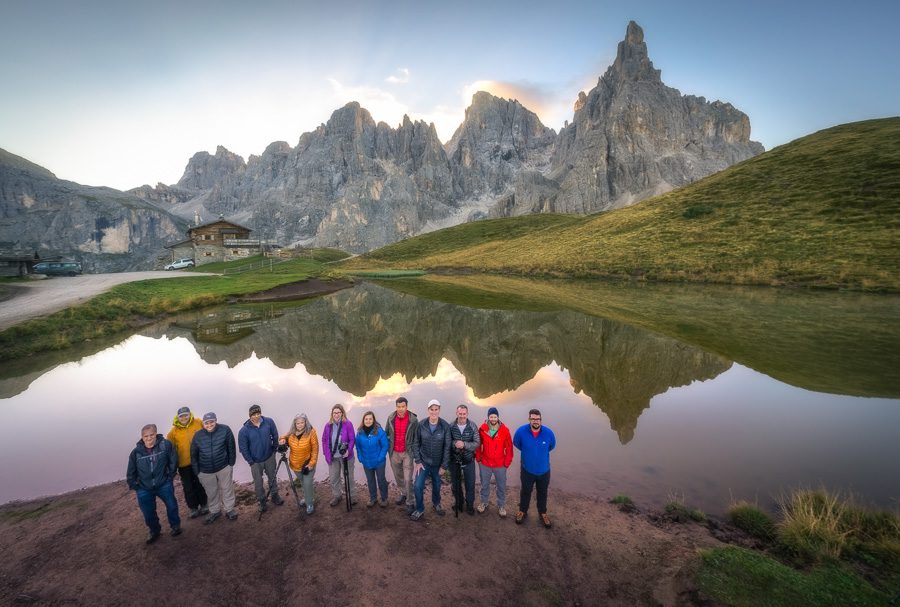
821	211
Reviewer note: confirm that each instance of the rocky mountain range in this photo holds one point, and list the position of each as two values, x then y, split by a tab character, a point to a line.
356	184
107	230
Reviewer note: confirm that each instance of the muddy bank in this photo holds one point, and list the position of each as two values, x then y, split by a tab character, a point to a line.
295	290
87	548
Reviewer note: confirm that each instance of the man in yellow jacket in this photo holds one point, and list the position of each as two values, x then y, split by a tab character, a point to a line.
184	426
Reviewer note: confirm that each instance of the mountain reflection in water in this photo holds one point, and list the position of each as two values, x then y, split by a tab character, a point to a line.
361	335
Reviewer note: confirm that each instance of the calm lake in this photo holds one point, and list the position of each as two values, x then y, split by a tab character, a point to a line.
704	393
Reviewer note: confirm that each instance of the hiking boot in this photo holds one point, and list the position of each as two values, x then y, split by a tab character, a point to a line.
482	507
310	509
353	501
438	510
401	500
302	501
502	512
334	501
546	520
195	512
204	510
262	507
211	517
370	503
470	510
520	517
231	515
383	503
152	537
277	500
417	516
410	509
175	531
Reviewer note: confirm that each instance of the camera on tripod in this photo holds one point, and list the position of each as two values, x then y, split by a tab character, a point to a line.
282	448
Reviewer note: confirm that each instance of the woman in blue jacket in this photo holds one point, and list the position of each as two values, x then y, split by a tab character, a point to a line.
371	449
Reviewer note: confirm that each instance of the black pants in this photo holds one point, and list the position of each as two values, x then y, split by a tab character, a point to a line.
468	471
529	480
194	494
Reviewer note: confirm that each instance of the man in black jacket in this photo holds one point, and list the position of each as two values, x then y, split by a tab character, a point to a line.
431	452
151	468
464	440
213	454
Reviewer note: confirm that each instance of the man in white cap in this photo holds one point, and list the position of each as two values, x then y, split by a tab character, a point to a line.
431	453
213	452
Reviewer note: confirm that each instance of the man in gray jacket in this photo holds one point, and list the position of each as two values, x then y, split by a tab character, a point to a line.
213	453
402	422
465	440
431	451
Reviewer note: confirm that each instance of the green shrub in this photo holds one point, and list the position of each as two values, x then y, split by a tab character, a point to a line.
751	519
814	525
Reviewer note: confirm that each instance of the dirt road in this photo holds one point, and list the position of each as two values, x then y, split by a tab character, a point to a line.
41	297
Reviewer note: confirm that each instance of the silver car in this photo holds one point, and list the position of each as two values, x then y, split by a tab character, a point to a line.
179	264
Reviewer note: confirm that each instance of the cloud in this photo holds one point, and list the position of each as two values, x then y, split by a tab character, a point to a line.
548	103
380	103
401	77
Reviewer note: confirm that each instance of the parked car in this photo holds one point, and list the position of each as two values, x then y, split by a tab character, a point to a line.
179	264
58	268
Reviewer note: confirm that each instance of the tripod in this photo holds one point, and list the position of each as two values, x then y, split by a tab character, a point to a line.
347	484
458	488
283	461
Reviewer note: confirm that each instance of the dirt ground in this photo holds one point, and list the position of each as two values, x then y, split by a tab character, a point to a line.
87	548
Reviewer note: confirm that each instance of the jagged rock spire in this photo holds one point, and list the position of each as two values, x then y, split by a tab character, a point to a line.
632	61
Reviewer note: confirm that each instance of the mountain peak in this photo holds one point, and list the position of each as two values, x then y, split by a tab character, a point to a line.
632	61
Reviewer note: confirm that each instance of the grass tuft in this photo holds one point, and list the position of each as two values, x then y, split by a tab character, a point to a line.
753	520
814	526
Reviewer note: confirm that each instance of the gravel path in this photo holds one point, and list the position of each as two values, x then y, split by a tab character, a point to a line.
41	297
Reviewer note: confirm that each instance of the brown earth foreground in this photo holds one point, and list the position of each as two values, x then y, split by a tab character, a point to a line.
87	548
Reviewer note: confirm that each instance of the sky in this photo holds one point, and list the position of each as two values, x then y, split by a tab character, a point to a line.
124	93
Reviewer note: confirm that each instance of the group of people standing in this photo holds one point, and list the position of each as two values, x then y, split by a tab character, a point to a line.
203	453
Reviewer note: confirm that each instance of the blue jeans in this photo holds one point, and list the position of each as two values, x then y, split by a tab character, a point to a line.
500	475
371	475
434	472
147	503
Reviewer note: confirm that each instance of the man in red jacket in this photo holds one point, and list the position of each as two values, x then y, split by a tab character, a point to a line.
494	456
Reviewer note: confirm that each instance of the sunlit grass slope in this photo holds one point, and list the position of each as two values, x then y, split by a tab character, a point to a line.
821	211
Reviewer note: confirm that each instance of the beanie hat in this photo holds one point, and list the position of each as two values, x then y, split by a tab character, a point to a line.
493	411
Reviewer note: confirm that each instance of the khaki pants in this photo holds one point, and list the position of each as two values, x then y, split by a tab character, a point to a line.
402	465
219	482
336	476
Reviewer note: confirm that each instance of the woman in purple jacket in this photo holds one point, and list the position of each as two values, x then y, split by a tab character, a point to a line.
372	448
338	439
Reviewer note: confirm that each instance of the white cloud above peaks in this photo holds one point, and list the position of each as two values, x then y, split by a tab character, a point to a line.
401	76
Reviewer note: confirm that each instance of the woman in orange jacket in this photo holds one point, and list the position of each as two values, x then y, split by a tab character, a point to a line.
494	455
303	443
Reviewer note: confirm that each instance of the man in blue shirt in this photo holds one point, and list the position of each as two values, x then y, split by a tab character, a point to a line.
258	440
535	442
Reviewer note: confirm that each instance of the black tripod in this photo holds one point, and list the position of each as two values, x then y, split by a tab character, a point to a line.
347	484
282	461
457	487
